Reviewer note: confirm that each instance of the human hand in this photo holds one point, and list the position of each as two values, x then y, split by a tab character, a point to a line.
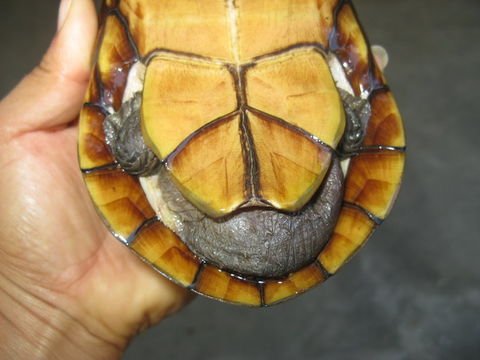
66	285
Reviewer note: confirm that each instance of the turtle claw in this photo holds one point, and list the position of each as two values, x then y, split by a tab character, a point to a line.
124	137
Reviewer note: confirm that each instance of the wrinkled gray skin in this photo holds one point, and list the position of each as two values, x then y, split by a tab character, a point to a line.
257	242
357	111
124	137
260	242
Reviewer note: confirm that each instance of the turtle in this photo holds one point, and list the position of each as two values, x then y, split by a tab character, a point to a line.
244	149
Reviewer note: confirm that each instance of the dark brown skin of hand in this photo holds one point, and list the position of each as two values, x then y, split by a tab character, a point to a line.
68	289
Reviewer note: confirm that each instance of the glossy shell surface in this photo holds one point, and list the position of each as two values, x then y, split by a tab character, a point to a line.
263	31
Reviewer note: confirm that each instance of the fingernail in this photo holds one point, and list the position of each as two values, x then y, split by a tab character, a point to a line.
63	12
381	56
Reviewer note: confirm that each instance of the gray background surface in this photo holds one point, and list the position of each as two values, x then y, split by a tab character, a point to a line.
413	291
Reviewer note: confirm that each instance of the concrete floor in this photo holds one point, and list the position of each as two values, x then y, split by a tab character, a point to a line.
413	291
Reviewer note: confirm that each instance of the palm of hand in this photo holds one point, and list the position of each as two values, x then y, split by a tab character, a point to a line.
56	242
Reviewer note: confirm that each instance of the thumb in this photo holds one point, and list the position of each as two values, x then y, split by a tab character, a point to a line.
51	95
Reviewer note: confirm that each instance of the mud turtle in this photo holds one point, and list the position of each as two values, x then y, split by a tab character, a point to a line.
245	149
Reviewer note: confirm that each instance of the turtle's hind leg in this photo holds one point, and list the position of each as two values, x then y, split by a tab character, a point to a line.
123	134
357	113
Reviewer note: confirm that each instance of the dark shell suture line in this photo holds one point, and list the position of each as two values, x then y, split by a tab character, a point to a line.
372	217
325	272
196	278
126	27
112	166
131	238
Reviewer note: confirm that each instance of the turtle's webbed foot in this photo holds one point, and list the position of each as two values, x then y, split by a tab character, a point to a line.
357	111
124	136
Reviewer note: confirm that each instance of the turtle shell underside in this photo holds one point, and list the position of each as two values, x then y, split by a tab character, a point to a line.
237	37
